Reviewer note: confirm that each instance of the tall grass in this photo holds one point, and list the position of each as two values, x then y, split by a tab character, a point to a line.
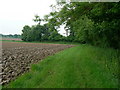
82	66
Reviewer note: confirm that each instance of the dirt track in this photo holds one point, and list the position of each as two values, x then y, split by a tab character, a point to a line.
17	57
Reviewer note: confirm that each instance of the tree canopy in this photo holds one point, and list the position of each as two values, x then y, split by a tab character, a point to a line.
92	23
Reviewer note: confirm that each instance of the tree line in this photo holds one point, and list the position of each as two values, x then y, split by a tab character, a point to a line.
93	23
10	36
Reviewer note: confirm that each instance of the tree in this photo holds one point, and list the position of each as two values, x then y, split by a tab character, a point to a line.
94	23
25	33
37	19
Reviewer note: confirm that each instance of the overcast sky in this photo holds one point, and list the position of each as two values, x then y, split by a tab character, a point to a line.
14	14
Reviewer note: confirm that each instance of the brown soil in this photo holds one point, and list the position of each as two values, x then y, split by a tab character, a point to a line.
17	57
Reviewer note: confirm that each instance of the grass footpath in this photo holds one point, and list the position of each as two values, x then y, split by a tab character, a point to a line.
82	66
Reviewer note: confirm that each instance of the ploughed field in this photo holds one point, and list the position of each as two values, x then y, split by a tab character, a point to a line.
17	57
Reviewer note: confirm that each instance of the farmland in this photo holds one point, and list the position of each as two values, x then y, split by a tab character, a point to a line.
17	57
12	39
76	45
82	66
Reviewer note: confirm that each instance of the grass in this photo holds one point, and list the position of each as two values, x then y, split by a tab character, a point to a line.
0	87
11	41
82	66
48	42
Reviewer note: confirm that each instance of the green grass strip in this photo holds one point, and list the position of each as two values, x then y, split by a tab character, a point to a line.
47	42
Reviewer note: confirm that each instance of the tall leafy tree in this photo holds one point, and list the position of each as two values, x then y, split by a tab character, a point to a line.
104	19
26	30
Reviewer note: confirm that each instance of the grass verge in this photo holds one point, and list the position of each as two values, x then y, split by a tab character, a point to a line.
48	42
82	66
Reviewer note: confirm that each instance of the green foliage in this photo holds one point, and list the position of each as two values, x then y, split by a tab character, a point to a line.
46	32
94	23
33	33
10	36
25	34
83	28
37	19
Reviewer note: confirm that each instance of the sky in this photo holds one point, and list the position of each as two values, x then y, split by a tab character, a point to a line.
15	14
